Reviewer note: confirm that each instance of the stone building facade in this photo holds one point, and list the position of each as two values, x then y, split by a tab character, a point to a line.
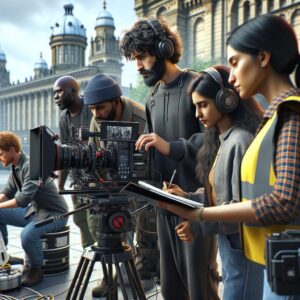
204	25
30	104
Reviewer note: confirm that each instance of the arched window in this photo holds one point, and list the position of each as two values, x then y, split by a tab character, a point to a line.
270	5
295	22
66	55
161	12
258	7
60	54
200	38
234	15
217	30
72	55
98	47
246	11
282	3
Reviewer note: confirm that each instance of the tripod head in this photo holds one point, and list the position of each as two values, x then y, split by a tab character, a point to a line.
112	220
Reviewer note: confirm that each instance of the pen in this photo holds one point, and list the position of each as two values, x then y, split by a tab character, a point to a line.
172	178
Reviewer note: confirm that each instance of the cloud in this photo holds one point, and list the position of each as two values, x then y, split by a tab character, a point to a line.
25	30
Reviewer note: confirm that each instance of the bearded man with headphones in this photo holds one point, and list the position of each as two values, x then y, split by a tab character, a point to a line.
187	270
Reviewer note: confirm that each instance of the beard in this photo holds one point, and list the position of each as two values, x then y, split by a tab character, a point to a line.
153	75
111	115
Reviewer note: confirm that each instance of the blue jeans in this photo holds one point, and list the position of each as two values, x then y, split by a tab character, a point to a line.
242	279
269	295
30	235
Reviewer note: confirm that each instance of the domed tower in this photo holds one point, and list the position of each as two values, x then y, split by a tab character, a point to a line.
68	42
40	68
105	52
4	74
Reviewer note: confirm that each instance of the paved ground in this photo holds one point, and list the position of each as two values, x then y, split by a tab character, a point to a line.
58	284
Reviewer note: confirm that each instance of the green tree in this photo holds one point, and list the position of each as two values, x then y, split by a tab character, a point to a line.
200	64
140	91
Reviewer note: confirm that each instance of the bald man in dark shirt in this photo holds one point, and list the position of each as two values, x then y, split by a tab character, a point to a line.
74	115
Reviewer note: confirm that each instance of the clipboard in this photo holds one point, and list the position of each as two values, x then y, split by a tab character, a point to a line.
148	192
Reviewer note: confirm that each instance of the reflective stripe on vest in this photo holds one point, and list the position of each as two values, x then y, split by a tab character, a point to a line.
258	178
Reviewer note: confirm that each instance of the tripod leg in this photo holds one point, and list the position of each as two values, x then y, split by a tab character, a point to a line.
131	279
137	280
76	281
87	278
112	287
120	277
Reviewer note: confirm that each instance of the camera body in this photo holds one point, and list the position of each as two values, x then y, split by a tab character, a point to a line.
111	165
283	262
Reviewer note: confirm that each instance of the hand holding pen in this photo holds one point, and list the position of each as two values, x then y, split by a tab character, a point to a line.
172	178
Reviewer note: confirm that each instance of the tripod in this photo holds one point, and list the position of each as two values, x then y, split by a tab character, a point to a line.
113	219
86	265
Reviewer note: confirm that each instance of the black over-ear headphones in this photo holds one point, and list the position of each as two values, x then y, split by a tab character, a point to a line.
227	99
164	47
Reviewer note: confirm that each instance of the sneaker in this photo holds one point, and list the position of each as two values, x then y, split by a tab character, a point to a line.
147	284
102	288
12	260
34	277
26	266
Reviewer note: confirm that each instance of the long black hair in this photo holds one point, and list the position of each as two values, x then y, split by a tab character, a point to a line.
247	115
272	34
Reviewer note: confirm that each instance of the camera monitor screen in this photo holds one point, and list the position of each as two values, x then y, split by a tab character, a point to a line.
119	131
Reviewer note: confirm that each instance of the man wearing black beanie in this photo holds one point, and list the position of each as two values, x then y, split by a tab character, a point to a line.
104	97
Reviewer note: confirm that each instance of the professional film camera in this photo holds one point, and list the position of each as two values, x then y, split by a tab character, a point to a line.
106	170
112	165
283	262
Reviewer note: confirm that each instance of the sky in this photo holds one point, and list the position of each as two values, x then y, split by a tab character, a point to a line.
25	30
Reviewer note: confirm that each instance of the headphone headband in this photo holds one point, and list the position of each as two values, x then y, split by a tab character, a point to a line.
155	25
164	46
215	75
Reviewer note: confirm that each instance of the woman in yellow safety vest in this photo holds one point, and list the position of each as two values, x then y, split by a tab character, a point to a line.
262	53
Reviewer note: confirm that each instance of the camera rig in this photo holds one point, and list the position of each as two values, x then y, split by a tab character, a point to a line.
110	166
107	169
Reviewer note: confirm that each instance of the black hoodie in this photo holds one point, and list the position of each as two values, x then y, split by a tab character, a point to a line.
173	118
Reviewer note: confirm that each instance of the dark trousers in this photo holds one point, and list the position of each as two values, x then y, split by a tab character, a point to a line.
188	270
80	220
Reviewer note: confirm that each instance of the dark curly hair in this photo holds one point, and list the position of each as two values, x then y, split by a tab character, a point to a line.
141	39
247	115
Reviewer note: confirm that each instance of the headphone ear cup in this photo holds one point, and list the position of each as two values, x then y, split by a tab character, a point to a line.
226	101
165	49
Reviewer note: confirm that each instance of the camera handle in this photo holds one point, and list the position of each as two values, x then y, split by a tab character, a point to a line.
145	207
60	217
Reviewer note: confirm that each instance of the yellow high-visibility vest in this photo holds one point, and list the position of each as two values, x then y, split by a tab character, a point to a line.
257	178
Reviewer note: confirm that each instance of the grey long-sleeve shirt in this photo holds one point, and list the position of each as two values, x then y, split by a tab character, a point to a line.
234	143
43	202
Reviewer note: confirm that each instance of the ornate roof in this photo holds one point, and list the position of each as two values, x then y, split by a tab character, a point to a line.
104	18
41	63
68	24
